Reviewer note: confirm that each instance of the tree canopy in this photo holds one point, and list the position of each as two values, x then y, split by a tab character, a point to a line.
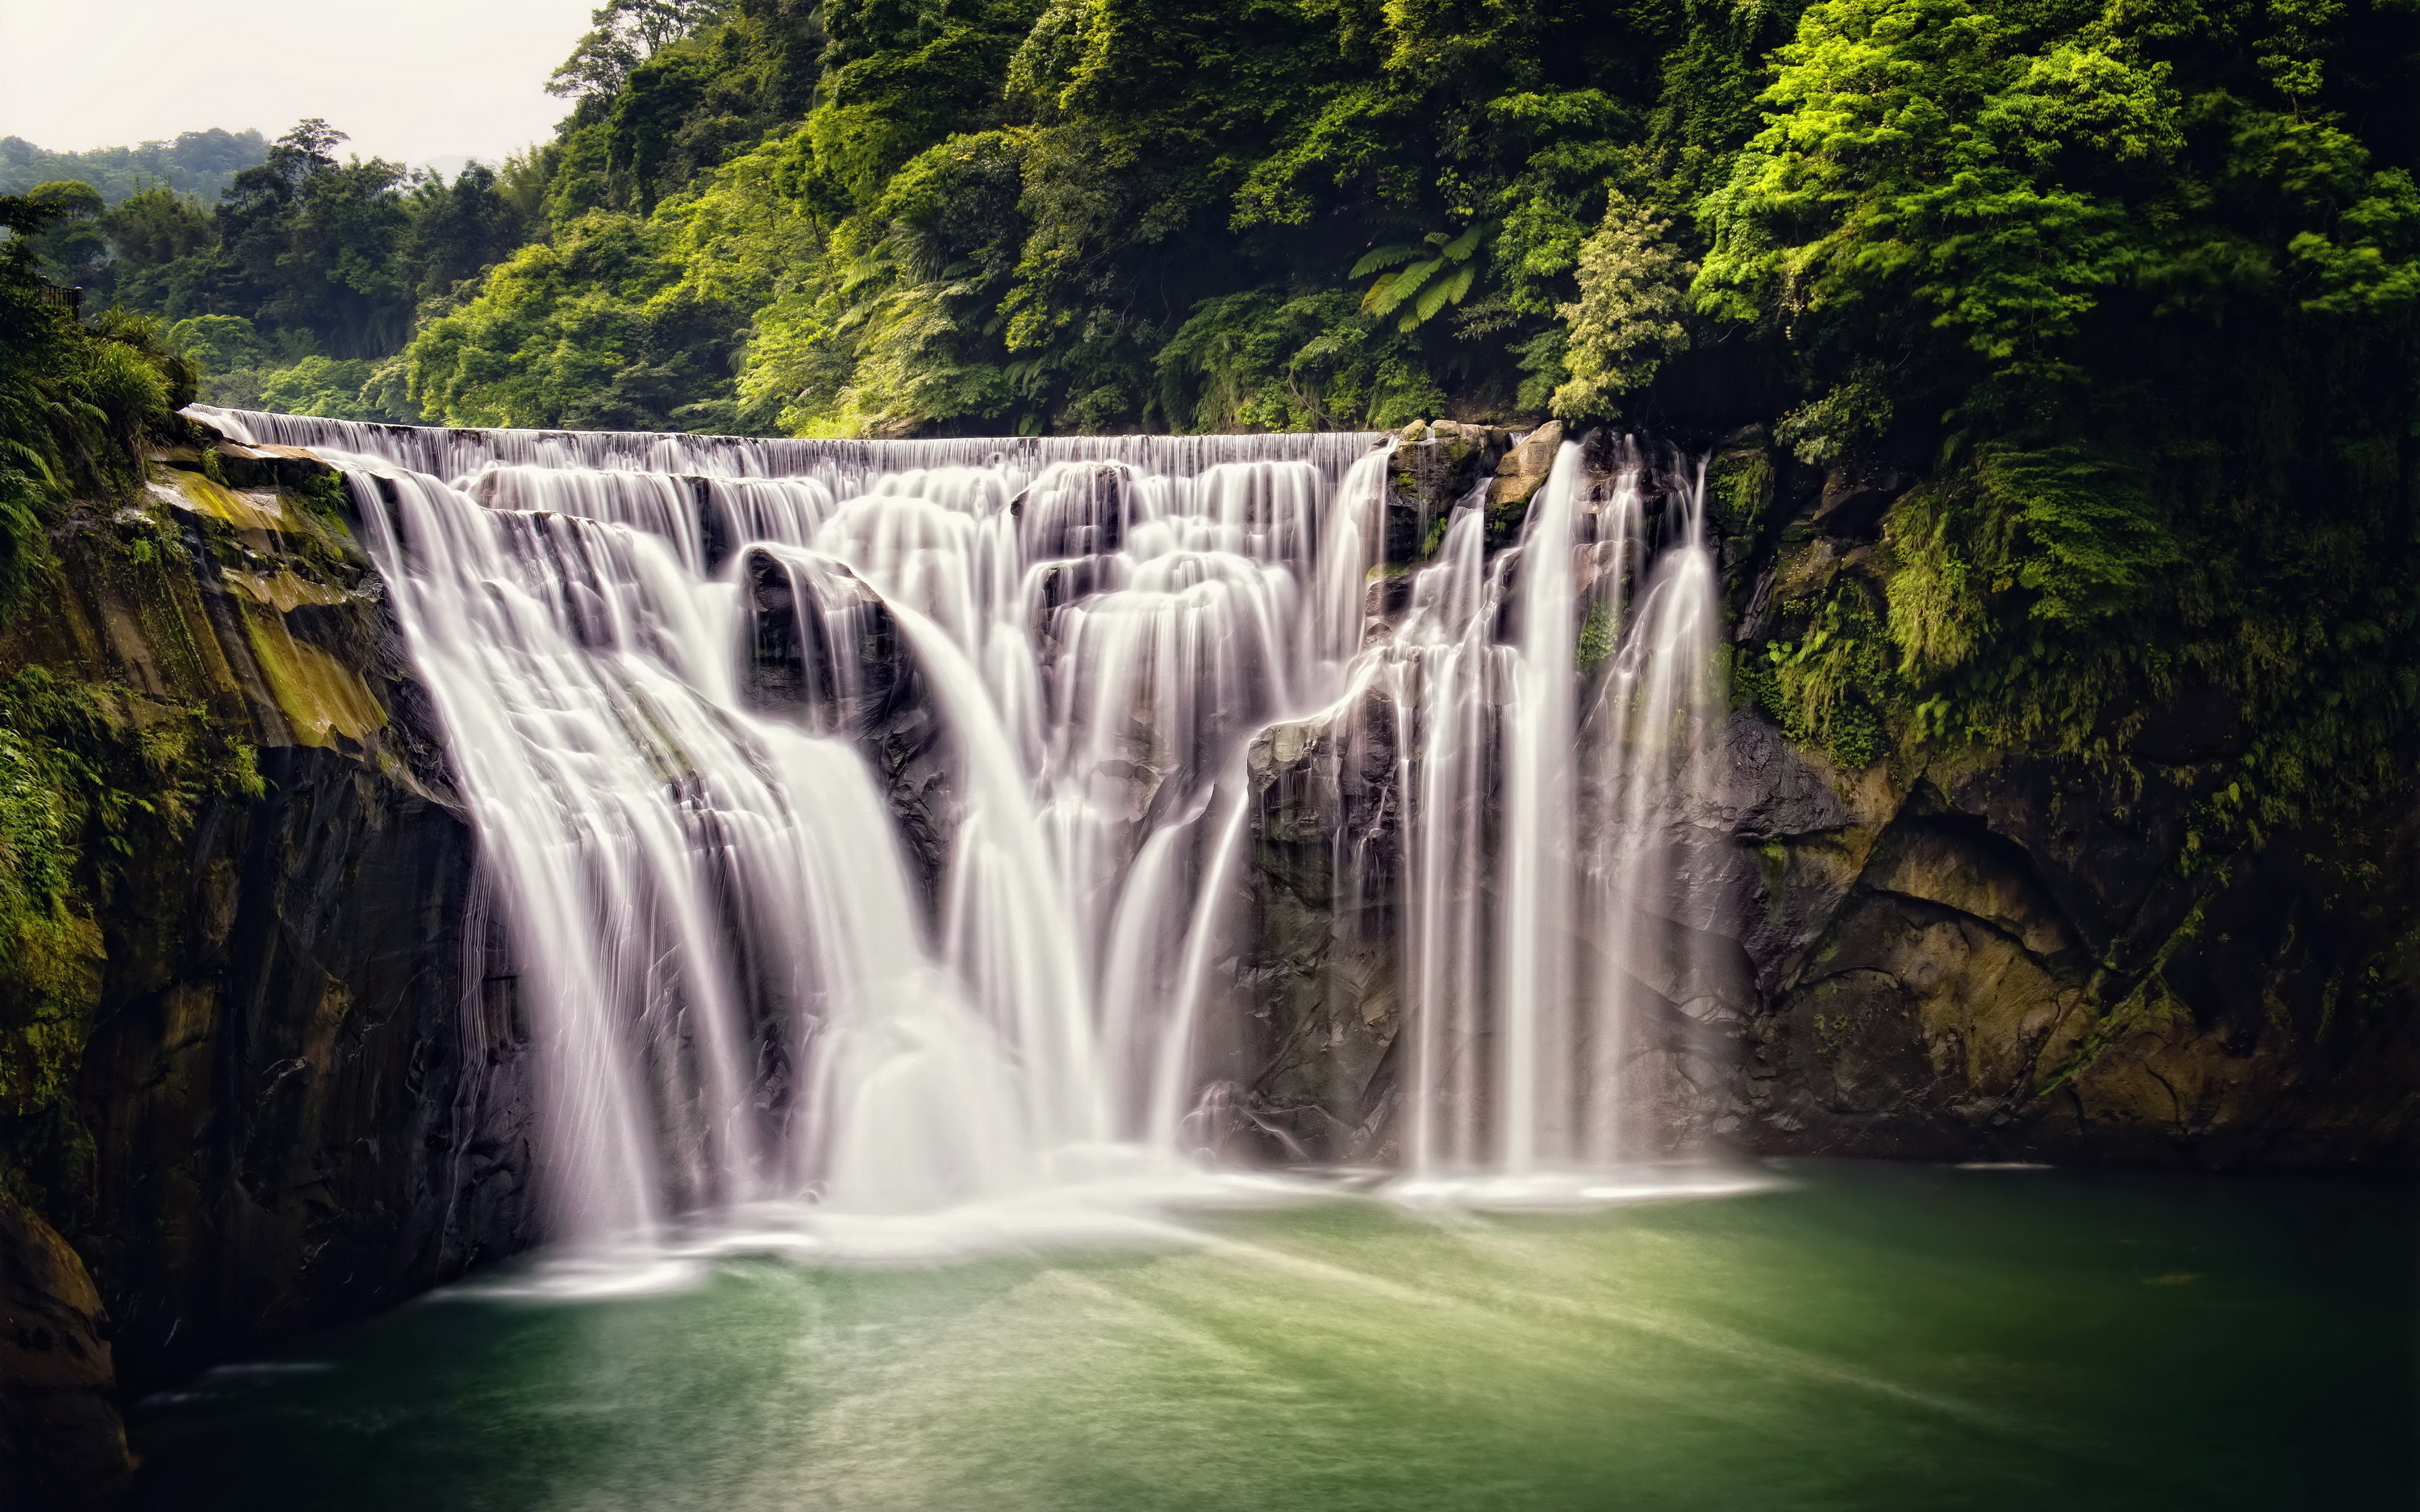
2130	287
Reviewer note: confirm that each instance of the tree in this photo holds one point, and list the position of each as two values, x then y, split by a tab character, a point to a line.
71	245
627	33
311	246
1629	318
76	398
457	231
2140	291
156	225
311	141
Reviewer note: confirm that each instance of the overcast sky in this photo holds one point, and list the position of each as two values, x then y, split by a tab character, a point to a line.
419	81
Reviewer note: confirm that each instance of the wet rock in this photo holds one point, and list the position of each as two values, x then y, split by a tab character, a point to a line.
1518	477
1435	466
1856	494
1758	786
2013	968
1998	961
323	1114
306	1089
823	650
1384	601
62	1443
1523	469
1079	512
821	646
1317	993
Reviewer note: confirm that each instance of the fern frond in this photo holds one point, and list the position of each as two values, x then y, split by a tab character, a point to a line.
1395	288
1387	256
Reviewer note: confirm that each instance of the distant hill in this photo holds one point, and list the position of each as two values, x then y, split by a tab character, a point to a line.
197	162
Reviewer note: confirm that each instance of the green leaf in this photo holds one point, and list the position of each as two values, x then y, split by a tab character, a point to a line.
1387	257
1395	288
1438	295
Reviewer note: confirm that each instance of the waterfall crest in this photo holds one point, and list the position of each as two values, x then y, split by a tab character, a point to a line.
865	814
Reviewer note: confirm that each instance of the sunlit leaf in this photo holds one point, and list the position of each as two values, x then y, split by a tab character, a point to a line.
1387	257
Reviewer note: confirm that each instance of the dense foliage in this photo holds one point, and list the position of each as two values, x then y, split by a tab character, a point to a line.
197	162
2140	290
304	269
870	218
76	398
2130	291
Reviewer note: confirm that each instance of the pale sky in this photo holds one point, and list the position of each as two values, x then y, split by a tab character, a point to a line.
418	80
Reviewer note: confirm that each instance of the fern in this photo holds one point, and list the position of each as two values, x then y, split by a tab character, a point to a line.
1437	296
1418	284
1387	256
1393	289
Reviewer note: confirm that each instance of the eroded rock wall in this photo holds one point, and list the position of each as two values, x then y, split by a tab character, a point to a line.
301	1092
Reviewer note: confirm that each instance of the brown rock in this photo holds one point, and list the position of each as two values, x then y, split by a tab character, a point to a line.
1523	469
1435	467
62	1438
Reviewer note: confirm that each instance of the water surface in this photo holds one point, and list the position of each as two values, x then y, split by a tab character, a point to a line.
1858	1336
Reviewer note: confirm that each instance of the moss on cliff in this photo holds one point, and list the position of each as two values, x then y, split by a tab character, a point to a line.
95	779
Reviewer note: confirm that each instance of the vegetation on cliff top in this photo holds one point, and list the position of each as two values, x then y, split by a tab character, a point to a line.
2133	292
2137	291
297	287
77	399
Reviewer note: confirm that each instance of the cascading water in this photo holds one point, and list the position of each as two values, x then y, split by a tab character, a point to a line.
1535	931
686	685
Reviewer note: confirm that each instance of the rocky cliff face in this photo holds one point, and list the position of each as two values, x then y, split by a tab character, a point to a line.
300	1094
2003	961
1984	957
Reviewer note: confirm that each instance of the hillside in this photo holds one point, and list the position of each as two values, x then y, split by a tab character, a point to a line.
201	164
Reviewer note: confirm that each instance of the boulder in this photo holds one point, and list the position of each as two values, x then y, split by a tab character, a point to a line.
62	1443
1435	466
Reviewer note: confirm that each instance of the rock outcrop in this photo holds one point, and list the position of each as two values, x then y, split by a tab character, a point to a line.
1994	958
61	1438
824	652
301	1093
1312	1070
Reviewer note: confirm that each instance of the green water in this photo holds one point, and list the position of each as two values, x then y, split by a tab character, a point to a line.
1861	1336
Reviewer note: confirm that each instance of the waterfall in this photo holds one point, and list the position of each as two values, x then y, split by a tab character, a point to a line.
867	816
1533	937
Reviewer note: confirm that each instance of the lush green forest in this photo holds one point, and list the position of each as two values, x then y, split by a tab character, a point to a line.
201	164
297	289
2133	289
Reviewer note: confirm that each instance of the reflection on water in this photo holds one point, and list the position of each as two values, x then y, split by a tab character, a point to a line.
1854	1336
